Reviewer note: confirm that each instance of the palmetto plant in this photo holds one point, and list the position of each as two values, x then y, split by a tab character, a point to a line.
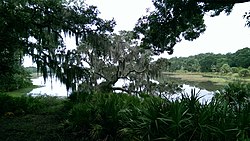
126	117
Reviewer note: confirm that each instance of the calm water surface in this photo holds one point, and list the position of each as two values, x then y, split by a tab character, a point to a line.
53	87
205	95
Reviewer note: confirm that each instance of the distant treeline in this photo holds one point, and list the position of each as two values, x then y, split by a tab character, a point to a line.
209	62
31	69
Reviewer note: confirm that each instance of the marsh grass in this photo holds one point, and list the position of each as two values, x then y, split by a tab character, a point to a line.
208	81
219	78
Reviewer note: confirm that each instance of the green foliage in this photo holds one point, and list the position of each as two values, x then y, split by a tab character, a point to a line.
34	28
16	79
210	62
31	69
225	68
207	63
29	105
95	114
241	58
165	26
244	73
235	69
238	92
174	20
124	117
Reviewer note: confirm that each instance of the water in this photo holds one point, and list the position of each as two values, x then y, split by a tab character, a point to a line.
205	95
53	87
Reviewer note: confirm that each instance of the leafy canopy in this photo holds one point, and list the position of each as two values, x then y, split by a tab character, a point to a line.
36	28
175	20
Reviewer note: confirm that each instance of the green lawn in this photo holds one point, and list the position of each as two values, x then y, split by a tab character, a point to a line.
23	91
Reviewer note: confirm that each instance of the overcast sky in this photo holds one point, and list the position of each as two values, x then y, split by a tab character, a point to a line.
224	33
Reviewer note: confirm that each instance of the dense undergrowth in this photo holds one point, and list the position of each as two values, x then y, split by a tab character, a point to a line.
124	117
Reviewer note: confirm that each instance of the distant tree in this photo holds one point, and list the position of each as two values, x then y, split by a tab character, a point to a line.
235	69
241	58
31	69
175	64
220	61
207	63
16	79
192	65
217	62
244	72
225	68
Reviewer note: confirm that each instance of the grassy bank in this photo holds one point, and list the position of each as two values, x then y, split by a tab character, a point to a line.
22	92
29	118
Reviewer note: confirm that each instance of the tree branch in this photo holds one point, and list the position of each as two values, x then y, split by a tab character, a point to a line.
126	75
102	76
124	90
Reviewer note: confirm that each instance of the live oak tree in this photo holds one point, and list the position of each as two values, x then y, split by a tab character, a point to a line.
175	20
36	28
119	59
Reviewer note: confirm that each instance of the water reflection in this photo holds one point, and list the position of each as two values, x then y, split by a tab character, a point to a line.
205	95
53	87
207	85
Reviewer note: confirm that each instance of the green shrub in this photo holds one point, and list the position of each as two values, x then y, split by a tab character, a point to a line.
96	115
14	79
12	104
244	73
30	105
124	117
225	68
235	69
236	94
